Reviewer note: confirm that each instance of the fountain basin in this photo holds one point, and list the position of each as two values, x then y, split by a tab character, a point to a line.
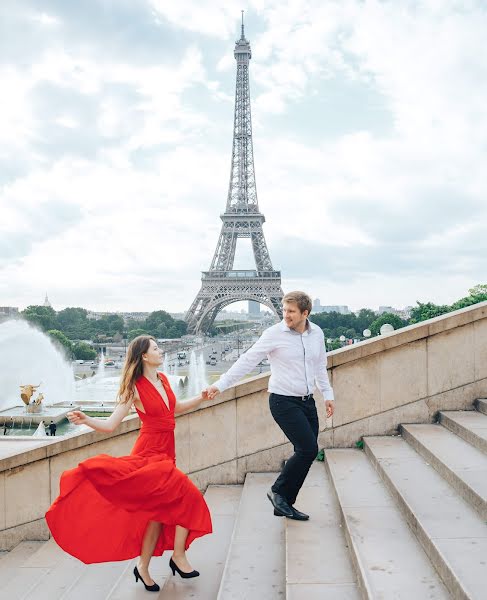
19	416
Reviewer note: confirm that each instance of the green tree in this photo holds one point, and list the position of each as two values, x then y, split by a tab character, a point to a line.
161	331
83	351
478	290
390	318
160	324
181	326
133	333
74	323
62	342
42	316
365	317
156	318
333	345
428	310
109	325
173	332
476	294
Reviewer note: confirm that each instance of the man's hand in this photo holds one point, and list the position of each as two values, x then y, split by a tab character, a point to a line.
211	391
330	408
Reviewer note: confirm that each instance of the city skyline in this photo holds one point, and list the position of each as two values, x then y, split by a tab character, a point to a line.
115	137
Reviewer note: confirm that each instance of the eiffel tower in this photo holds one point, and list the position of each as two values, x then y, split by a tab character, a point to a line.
222	285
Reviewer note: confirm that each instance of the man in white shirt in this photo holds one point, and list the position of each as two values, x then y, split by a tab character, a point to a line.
296	351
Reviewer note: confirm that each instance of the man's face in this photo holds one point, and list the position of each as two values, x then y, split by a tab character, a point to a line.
293	317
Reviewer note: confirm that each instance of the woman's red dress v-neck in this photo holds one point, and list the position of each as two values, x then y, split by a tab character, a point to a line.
105	503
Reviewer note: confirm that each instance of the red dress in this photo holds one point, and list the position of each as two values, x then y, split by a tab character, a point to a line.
105	503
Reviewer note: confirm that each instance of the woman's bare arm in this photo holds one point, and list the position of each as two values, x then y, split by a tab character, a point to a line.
103	425
189	404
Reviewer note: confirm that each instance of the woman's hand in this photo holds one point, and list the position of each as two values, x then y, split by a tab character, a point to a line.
77	417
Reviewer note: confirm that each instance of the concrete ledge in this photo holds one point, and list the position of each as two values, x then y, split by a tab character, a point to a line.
49	448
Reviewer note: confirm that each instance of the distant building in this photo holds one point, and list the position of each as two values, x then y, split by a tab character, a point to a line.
387	309
8	311
227	315
46	302
317	308
254	308
403	313
126	316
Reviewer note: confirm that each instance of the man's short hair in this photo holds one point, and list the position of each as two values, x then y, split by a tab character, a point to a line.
301	299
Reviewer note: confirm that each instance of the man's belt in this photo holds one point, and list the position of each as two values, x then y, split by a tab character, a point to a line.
304	398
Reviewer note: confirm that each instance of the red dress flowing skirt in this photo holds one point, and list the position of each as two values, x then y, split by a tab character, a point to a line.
105	503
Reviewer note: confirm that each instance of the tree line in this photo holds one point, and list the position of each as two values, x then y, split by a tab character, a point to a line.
353	325
72	329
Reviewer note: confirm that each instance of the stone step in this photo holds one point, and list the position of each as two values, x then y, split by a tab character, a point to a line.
318	564
208	554
18	556
481	405
457	461
255	563
29	574
51	574
388	559
451	532
125	588
468	424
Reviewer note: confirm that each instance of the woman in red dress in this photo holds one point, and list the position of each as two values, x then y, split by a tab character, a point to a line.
113	509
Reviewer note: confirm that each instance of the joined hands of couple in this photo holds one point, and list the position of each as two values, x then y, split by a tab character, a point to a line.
211	391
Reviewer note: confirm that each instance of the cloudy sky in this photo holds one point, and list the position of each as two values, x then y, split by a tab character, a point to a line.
370	142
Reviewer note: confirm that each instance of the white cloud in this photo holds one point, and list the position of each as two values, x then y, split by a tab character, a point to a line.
132	223
46	20
213	18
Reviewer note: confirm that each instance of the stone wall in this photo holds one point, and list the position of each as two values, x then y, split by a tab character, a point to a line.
403	377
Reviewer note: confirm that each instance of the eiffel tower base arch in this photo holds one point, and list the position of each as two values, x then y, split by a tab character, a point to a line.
215	295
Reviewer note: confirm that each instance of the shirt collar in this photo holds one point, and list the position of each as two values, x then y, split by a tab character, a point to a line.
309	329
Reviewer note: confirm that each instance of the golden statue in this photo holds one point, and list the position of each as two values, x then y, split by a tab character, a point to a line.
27	391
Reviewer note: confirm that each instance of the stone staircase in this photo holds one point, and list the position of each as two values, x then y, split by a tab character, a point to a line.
404	518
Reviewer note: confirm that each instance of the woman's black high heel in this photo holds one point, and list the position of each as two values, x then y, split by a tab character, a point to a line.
184	575
150	588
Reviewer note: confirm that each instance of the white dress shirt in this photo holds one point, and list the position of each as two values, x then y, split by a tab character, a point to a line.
298	361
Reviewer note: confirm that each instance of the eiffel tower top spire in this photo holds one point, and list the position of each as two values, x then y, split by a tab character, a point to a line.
242	37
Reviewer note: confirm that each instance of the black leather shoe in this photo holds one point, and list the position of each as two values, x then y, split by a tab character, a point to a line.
280	505
297	515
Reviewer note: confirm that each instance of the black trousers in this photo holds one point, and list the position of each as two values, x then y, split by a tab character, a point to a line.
299	421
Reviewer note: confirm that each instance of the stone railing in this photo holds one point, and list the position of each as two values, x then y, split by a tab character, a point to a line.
403	377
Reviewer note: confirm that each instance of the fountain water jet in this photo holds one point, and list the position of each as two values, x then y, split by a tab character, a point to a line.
197	374
29	356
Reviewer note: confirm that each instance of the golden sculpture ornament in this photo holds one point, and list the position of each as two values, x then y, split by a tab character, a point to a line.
27	391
